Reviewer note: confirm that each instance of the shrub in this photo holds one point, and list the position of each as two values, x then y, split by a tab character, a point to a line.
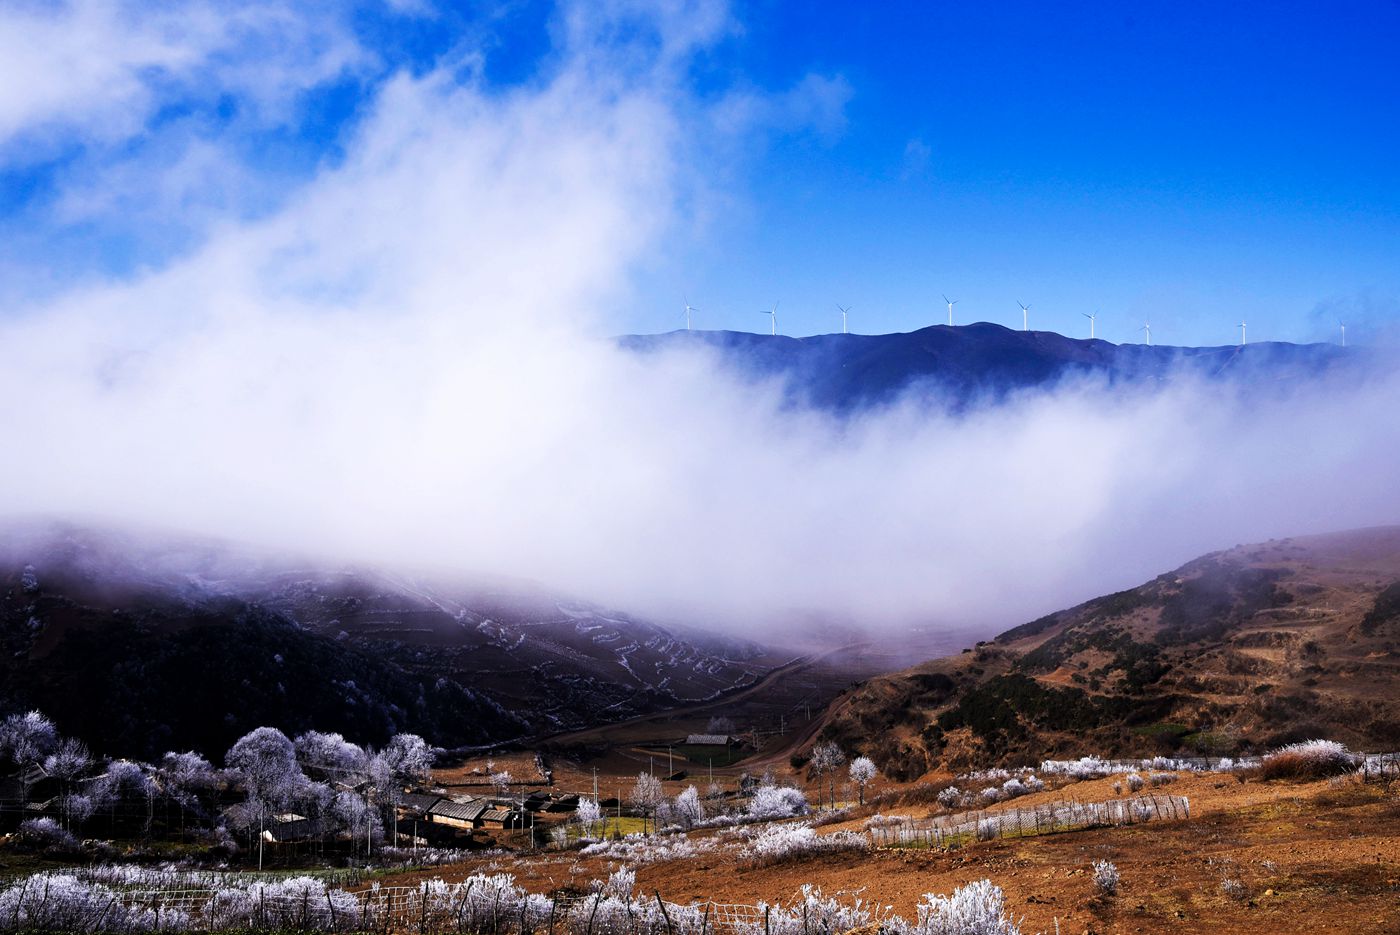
1106	877
950	797
1234	889
814	914
1311	759
1134	782
1161	779
777	802
976	909
783	842
60	902
46	833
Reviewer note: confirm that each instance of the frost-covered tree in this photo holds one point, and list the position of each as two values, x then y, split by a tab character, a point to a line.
406	760
69	760
588	816
328	756
357	817
265	762
266	766
862	772
827	760
124	782
646	794
688	810
186	779
409	757
25	739
500	781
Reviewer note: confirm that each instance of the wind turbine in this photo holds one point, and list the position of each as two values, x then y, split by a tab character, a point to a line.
1092	318
688	309
1244	334
1147	326
951	303
1344	332
844	309
1025	315
773	315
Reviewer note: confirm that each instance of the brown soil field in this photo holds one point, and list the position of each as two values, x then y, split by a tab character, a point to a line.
1310	857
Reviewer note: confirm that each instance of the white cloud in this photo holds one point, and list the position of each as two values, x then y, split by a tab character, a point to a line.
404	364
94	72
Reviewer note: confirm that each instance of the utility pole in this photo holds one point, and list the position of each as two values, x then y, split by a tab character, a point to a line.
670	763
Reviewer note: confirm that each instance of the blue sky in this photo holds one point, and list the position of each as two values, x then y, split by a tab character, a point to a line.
1189	164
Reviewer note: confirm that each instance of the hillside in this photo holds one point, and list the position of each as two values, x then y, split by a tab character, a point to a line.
957	365
1247	648
144	643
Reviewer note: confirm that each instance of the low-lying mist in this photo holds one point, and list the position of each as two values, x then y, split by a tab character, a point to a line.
411	363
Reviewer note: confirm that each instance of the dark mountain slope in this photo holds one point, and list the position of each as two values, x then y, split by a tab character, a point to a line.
958	365
146	643
1238	650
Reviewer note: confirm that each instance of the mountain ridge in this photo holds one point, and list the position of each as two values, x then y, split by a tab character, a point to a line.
962	364
1236	651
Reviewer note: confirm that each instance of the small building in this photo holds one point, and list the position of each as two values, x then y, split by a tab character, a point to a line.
290	827
708	740
498	817
551	802
417	804
467	814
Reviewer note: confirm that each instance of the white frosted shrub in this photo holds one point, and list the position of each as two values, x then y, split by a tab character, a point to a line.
950	797
620	883
1106	877
781	842
60	902
1134	782
1013	788
815	914
777	802
976	909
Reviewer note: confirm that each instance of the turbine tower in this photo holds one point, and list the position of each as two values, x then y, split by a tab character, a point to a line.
951	303
1092	318
1244	334
773	315
1025	315
844	309
1147	326
688	309
1344	332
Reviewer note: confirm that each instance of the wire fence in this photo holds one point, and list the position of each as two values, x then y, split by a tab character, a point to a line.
430	908
1380	767
1049	818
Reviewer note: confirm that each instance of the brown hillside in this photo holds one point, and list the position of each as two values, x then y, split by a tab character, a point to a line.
1246	648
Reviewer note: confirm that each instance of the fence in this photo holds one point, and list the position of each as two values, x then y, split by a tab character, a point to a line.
1017	822
1380	767
429	909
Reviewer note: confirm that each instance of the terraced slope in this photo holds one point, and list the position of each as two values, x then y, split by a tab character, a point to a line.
1241	649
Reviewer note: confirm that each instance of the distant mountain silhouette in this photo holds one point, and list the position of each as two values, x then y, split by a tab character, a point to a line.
957	365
